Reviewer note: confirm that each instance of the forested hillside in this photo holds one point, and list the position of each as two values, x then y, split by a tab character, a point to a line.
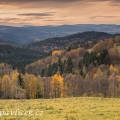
81	71
70	59
88	69
18	57
51	44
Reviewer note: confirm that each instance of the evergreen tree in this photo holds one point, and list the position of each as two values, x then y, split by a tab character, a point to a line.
20	80
69	65
60	64
42	72
81	72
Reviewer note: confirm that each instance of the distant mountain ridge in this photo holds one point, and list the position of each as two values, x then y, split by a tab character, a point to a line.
51	44
27	34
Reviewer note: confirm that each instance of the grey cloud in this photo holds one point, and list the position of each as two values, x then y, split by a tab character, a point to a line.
59	1
30	1
36	14
8	19
51	3
54	20
94	17
13	19
4	1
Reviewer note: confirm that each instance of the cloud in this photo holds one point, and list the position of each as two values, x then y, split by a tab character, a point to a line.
94	17
35	1
54	20
20	1
16	21
24	19
12	19
36	14
44	12
52	3
31	20
22	4
38	2
29	1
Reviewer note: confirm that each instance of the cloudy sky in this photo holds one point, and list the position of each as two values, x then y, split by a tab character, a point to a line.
58	12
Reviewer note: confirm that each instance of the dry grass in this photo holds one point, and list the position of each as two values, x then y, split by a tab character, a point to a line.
80	108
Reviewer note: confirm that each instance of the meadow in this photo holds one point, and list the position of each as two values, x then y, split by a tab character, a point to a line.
80	108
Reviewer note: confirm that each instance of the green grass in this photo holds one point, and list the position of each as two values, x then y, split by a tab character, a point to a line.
81	108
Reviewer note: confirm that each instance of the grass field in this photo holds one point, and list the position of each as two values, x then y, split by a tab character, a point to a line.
81	108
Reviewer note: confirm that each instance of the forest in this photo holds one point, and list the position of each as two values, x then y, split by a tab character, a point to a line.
90	68
51	44
18	57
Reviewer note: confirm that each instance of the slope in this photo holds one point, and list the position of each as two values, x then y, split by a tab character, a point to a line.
51	44
18	57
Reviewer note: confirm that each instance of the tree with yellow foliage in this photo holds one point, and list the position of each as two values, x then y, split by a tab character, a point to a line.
39	87
117	39
113	69
30	85
57	86
110	43
99	46
6	86
56	53
14	84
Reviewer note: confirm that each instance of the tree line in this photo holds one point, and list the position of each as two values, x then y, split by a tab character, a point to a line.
103	81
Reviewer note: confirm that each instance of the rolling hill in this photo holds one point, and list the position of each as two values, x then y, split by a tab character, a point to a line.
51	44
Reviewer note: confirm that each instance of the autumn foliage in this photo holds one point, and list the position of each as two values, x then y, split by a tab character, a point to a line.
69	72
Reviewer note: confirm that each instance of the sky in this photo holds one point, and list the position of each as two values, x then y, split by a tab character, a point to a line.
59	12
